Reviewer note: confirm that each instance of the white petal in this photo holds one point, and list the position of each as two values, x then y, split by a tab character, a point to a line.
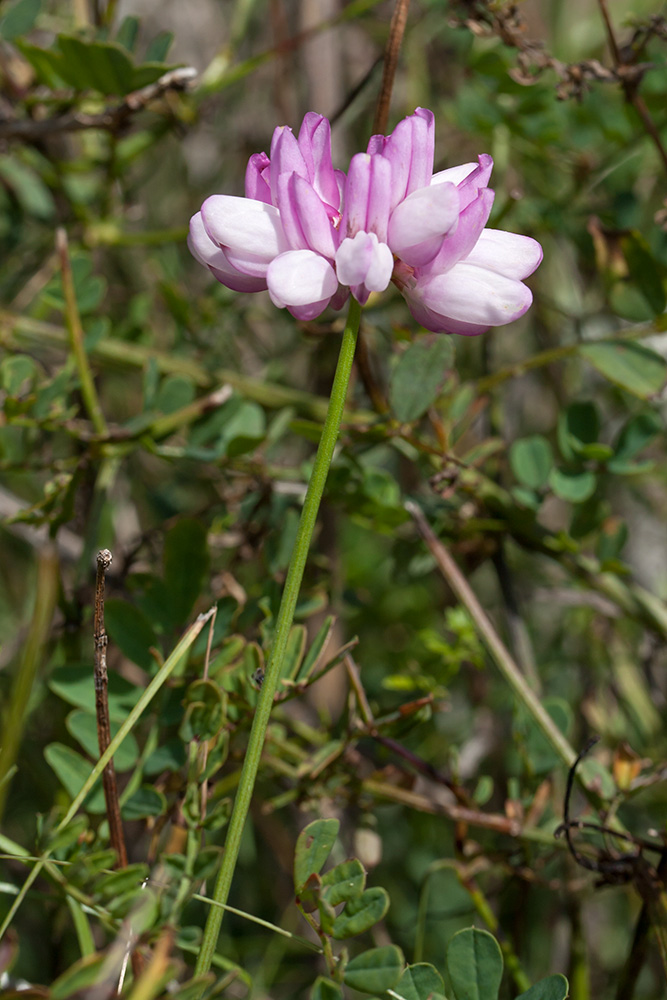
453	174
207	253
475	296
381	266
506	253
423	217
364	260
244	225
299	278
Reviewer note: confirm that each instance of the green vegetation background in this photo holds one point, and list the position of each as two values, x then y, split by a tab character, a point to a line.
536	453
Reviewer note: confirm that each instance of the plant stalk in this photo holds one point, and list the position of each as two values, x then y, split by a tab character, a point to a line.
283	626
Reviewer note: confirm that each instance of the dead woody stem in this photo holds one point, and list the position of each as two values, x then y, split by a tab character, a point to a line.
102	712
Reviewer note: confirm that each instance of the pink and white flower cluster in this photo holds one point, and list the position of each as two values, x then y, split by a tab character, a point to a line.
311	234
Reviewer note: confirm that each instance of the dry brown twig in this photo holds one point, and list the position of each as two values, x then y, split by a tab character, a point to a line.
112	119
574	79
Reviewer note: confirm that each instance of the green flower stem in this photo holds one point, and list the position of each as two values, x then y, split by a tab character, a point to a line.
283	625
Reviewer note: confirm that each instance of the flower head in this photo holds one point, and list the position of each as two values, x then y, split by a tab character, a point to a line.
311	235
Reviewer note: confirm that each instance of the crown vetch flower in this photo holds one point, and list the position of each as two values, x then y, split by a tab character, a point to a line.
283	234
310	234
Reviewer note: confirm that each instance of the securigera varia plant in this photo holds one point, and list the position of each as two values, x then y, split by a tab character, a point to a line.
316	237
312	235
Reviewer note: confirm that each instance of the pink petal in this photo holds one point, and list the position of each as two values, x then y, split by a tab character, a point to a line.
419	223
410	150
244	226
207	253
301	279
367	191
315	144
286	158
468	177
459	243
474	296
257	178
506	253
363	260
304	217
476	179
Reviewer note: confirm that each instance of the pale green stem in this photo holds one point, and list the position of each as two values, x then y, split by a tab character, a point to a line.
283	625
489	636
16	716
75	330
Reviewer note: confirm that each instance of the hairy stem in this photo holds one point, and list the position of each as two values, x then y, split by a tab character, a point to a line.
283	625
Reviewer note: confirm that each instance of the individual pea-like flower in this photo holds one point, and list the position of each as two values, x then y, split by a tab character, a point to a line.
284	234
309	233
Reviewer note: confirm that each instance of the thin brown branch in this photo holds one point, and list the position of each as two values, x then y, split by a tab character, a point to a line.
630	87
396	31
364	366
116	835
112	119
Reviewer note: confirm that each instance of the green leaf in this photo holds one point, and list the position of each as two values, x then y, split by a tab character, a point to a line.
313	847
73	770
344	882
418	376
19	19
636	434
15	371
80	976
419	982
176	391
578	426
374	971
361	914
75	685
119	883
169	756
316	648
327	915
146	801
127	33
296	645
159	47
82	726
645	271
325	989
552	988
475	965
572	486
28	188
131	631
245	431
631	366
186	562
531	460
205	710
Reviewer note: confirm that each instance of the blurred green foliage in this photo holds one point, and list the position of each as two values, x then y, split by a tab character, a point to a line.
536	453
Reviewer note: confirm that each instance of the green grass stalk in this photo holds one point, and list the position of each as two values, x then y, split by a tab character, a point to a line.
156	683
283	625
16	713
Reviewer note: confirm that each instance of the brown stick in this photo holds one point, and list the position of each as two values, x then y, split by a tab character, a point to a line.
112	119
396	31
102	711
632	95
